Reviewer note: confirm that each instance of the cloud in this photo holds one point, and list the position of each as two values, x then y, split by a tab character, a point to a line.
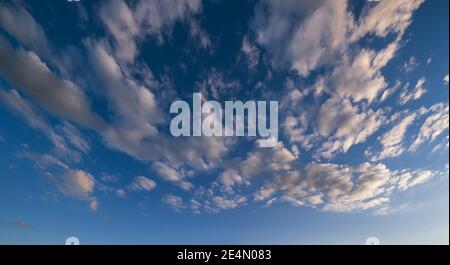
174	201
59	96
445	79
250	51
217	86
386	17
19	23
130	24
324	116
78	184
230	178
415	94
141	183
434	125
263	161
74	136
60	137
71	182
225	203
392	141
170	174
346	124
408	179
120	22
390	91
199	34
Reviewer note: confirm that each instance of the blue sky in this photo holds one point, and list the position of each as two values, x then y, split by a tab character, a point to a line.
85	92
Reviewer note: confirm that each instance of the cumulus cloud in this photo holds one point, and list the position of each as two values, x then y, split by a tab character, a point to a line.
225	203
130	24
141	183
408	179
230	178
386	17
263	161
313	42
445	79
170	174
360	77
390	91
174	201
71	182
411	64
339	188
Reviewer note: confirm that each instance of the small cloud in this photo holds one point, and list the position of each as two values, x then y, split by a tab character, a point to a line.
142	183
418	91
410	65
109	178
445	79
174	201
121	193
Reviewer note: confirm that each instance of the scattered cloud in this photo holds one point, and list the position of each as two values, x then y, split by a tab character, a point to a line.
140	183
59	96
418	91
435	124
16	20
392	141
174	201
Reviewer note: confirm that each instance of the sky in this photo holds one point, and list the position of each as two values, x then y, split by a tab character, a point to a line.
85	143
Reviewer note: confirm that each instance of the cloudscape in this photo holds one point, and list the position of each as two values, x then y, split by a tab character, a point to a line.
359	145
